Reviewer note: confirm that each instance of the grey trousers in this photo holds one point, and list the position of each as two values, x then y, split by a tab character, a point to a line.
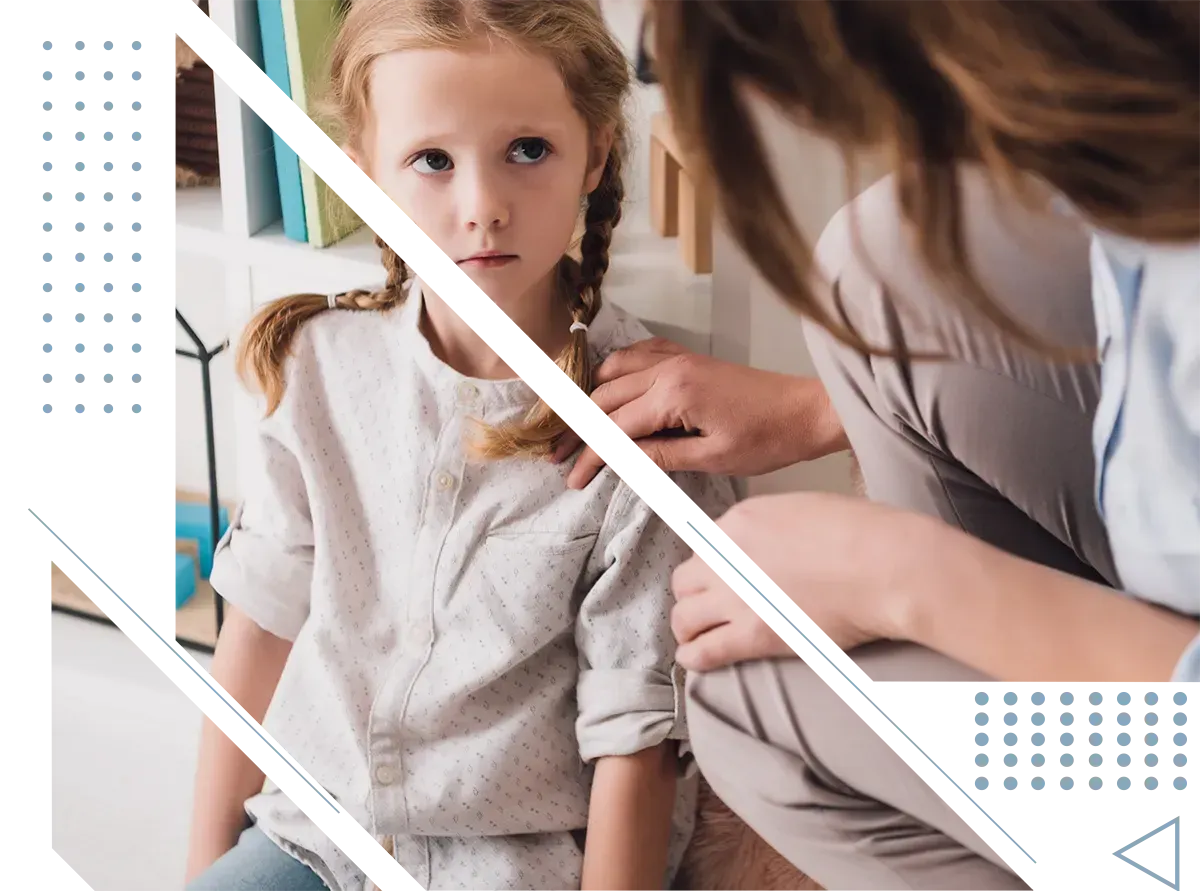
996	441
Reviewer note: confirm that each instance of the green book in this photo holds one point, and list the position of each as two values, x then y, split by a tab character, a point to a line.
329	219
309	28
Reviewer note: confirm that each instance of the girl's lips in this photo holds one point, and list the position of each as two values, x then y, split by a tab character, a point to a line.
488	261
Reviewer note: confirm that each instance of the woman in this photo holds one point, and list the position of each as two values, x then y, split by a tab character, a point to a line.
1046	169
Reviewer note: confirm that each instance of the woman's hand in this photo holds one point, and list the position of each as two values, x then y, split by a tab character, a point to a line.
850	564
693	412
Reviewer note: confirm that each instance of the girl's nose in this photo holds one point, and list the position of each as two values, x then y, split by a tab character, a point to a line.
486	207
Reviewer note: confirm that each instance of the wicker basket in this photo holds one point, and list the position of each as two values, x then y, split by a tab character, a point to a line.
196	162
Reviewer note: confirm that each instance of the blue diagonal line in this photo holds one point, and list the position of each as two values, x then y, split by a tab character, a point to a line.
190	667
838	669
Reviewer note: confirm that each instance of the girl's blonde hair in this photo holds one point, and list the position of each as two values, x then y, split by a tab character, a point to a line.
597	76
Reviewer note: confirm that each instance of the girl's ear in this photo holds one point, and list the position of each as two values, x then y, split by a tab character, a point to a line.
601	146
358	158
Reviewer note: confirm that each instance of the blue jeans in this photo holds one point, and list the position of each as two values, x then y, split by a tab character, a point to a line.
256	863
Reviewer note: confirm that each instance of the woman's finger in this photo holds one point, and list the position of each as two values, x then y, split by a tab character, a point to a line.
634	358
693	616
586	466
715	649
567	444
691	577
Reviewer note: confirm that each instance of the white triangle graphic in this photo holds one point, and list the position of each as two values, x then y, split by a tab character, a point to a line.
1157	853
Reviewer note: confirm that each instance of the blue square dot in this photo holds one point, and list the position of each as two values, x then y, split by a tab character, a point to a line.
137	44
136	409
108	44
47	45
108	378
108	409
137	75
46	408
79	75
137	347
47	106
137	258
137	378
108	75
137	106
108	106
137	316
47	378
46	227
46	75
78	44
79	378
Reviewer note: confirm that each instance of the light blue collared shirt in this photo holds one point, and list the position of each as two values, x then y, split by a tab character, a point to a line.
1147	429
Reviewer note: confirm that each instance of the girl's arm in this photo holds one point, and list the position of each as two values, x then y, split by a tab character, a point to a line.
629	820
248	662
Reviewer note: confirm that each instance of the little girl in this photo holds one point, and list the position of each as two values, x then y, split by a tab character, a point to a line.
474	660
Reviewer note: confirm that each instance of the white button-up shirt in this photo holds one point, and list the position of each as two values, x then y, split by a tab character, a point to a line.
468	636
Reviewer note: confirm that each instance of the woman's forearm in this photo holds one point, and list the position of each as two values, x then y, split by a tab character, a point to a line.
1015	620
629	819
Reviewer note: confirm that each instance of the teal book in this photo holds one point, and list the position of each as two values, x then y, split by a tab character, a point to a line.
275	48
292	139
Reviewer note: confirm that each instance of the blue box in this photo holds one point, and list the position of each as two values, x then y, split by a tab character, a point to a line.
185	579
193	520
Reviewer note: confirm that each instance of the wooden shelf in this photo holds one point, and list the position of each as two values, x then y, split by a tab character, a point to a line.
195	622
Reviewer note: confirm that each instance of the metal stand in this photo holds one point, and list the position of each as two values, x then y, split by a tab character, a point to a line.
205	356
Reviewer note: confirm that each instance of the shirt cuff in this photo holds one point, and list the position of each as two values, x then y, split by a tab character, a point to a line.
624	711
262	579
1187	676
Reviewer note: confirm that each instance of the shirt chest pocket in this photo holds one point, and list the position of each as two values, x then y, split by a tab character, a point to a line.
532	583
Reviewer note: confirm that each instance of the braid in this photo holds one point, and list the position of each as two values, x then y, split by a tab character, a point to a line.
270	334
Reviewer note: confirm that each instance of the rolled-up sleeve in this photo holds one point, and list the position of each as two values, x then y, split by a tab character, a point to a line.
1186	682
630	690
263	564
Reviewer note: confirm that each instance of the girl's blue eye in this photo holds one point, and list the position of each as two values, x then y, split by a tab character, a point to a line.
433	162
529	151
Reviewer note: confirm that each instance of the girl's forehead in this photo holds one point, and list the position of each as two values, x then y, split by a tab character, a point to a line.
419	89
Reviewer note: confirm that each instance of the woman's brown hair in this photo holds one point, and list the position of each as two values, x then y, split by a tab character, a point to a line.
1098	102
597	76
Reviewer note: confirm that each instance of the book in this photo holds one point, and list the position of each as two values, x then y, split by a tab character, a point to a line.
275	51
329	220
309	29
293	139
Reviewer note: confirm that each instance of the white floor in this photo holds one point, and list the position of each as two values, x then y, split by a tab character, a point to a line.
125	716
124	742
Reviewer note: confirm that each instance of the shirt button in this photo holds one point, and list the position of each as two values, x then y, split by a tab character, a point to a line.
467	392
385	775
445	480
